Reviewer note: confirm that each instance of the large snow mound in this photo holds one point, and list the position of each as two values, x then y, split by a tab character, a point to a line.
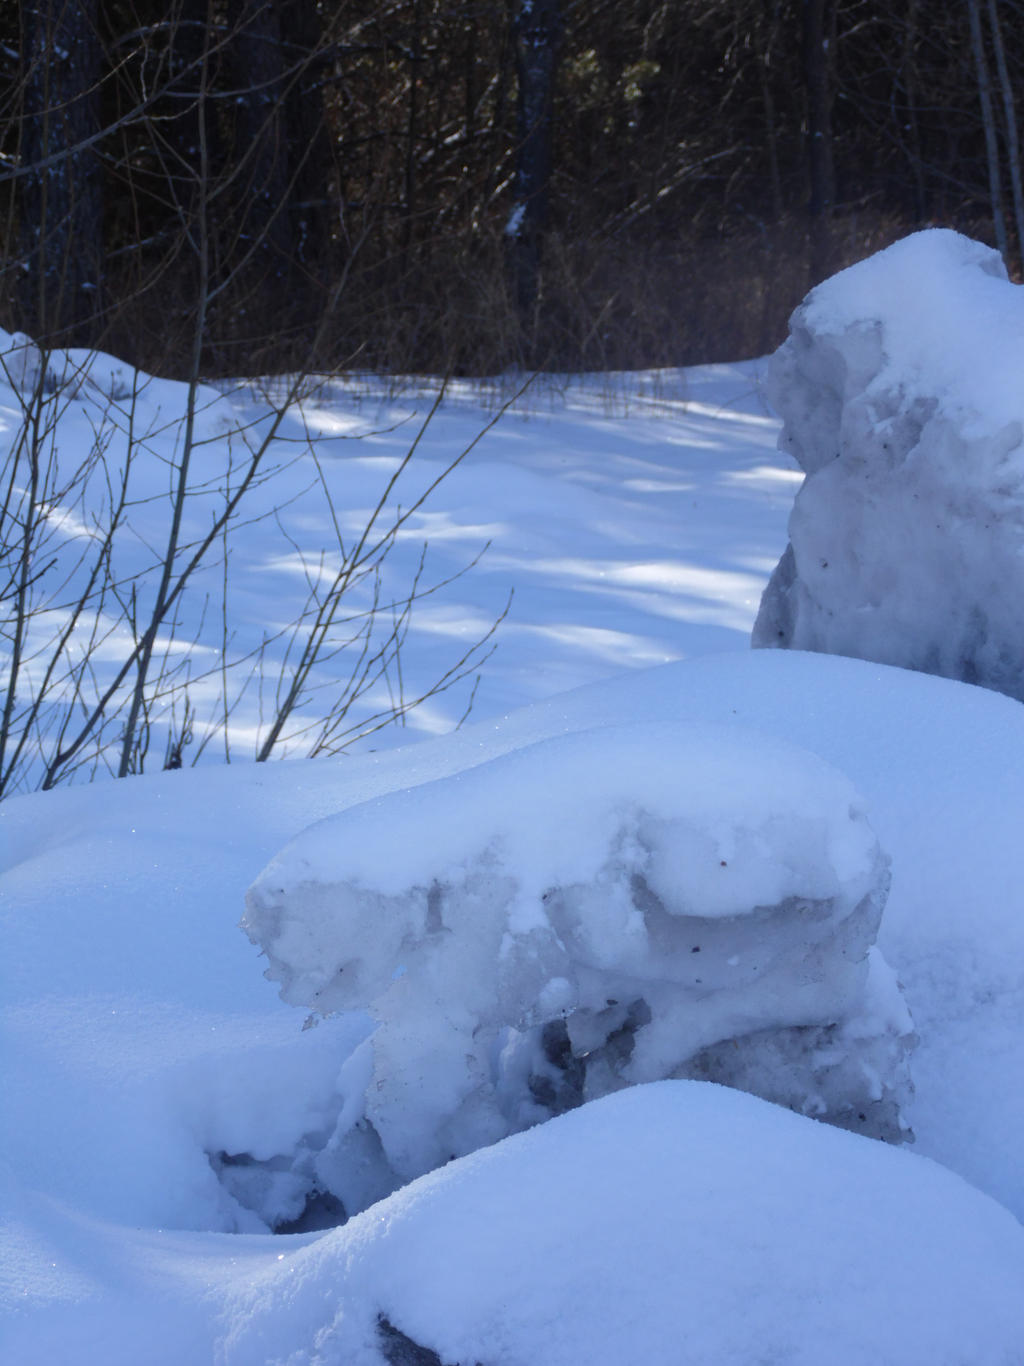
591	911
672	1222
899	391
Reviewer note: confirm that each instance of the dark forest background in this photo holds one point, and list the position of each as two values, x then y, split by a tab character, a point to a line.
468	185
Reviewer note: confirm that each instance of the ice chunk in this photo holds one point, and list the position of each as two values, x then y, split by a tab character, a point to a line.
588	912
899	391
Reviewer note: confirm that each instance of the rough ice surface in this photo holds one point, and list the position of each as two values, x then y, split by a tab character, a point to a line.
899	390
588	912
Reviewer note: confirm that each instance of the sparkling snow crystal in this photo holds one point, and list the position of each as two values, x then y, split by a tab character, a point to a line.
592	911
899	390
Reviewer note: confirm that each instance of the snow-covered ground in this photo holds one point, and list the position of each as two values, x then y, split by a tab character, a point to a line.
605	503
161	1104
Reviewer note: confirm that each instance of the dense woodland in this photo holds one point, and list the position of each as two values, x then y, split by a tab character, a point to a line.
469	185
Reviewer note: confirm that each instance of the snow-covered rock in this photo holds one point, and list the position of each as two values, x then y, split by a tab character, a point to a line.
899	390
592	911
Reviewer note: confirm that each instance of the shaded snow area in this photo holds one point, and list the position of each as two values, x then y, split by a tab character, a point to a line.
899	390
595	910
673	1018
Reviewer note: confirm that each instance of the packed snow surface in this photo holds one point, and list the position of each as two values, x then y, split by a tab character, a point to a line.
900	397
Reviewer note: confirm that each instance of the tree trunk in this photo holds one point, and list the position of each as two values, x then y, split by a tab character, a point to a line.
769	37
1010	124
989	123
185	113
911	32
60	203
312	168
260	248
536	32
818	33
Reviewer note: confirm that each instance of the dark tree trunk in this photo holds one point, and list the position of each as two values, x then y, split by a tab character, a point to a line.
1011	137
60	202
911	81
536	31
310	154
258	77
818	37
412	124
988	120
277	188
770	16
188	130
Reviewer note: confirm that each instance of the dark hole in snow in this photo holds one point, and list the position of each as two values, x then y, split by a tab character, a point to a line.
303	1207
560	1086
555	1042
559	1083
322	1211
398	1349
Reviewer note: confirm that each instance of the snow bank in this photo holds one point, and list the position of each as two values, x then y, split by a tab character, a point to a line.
108	390
143	1045
672	1222
595	910
899	391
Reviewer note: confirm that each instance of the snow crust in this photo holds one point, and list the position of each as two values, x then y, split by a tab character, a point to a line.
899	392
594	910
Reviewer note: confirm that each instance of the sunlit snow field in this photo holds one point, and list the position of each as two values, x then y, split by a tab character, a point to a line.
637	519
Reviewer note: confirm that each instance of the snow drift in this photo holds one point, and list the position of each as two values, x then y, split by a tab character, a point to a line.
899	391
676	1222
591	911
